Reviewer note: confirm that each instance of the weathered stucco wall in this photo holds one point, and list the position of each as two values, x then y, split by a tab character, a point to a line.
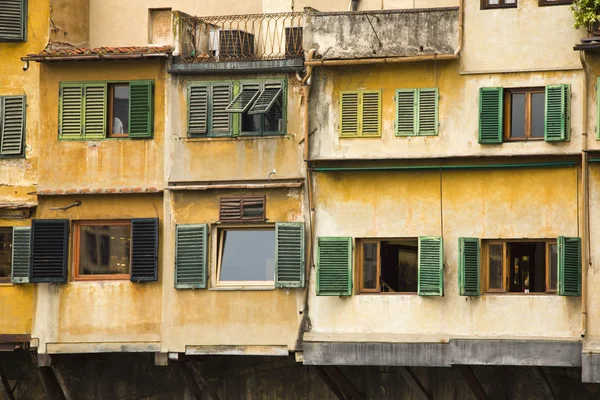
106	163
216	317
593	279
458	111
90	316
382	34
70	23
525	203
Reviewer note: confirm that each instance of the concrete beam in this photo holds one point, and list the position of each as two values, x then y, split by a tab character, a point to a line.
590	368
286	66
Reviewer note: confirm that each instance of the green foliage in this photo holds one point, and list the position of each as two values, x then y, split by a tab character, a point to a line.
586	12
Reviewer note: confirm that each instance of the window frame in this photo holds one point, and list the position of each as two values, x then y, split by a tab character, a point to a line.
486	6
77	248
485	264
544	3
10	230
110	111
507	104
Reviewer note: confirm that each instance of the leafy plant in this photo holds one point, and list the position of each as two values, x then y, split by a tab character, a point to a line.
586	12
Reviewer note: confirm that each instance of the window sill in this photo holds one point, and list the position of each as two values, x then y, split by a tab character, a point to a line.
242	288
387	293
499	7
232	138
360	137
520	294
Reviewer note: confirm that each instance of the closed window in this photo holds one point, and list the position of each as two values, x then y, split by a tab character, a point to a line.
486	4
5	254
524	114
389	266
12	126
13	20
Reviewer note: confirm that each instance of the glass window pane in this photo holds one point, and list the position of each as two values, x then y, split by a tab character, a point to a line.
248	255
493	2
496	271
537	114
104	249
251	122
517	115
120	102
510	1
5	252
369	266
553	266
274	118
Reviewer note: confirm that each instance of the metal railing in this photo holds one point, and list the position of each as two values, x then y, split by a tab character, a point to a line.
242	37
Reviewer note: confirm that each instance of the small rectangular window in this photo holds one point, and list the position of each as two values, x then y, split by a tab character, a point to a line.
524	114
118	110
388	266
242	208
102	250
5	254
488	4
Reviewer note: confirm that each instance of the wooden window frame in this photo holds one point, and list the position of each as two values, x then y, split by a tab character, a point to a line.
218	283
77	247
6	279
262	132
505	272
508	113
486	6
544	3
110	107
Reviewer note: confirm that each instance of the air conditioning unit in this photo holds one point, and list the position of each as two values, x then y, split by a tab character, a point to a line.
233	43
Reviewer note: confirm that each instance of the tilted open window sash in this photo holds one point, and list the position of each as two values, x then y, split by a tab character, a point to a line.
244	100
267	98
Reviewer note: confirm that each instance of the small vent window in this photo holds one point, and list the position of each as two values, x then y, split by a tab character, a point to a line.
242	208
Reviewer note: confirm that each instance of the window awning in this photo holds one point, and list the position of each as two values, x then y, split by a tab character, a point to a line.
269	96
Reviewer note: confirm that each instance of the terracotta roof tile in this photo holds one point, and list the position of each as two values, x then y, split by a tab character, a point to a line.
112	190
101	52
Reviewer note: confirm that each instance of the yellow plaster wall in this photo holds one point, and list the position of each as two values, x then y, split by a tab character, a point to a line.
102	163
526	203
228	317
593	279
100	311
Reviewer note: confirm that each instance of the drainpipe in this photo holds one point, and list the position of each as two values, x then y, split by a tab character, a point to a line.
585	218
461	18
353	5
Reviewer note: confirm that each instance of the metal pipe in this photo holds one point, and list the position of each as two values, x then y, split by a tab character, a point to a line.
460	27
379	60
557	164
585	215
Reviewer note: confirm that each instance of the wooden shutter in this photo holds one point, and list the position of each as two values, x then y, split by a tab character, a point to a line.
427	112
49	250
12	126
190	256
220	120
20	254
289	255
267	98
244	100
557	122
197	103
349	113
94	120
406	104
334	266
13	20
71	111
242	208
469	266
431	256
569	266
144	250
370	124
490	115
141	109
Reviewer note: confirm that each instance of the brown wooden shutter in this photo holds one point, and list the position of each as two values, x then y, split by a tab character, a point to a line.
242	208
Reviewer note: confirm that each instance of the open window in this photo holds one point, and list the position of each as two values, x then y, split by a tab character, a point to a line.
6	236
389	266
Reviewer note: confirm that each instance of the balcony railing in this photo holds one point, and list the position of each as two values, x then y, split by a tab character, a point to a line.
248	37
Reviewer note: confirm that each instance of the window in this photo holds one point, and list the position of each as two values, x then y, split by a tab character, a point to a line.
102	250
5	254
12	126
242	208
486	4
13	20
234	108
519	114
98	110
416	112
554	2
388	266
360	113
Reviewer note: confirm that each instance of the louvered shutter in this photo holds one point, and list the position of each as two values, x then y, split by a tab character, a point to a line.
431	255
71	111
244	100
490	115
334	266
428	112
13	20
190	256
12	126
371	113
220	120
197	102
289	255
468	266
569	266
271	94
141	109
94	119
144	250
349	113
20	254
406	104
49	250
557	122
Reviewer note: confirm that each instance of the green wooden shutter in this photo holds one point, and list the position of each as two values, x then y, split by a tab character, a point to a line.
431	261
370	122
267	98
289	254
197	109
141	109
144	250
349	113
94	120
20	255
12	126
244	100
427	112
406	105
49	250
334	266
469	266
490	115
13	20
190	256
71	111
220	120
569	266
557	122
